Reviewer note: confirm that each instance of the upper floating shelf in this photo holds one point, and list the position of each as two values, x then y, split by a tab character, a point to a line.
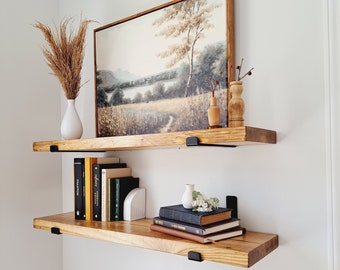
220	136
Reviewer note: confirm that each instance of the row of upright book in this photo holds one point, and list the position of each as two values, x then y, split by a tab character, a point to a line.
101	185
201	227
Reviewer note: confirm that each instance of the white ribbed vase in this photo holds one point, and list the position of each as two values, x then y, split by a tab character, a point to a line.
187	196
71	126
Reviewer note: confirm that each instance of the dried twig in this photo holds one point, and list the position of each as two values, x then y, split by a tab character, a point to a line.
214	86
239	77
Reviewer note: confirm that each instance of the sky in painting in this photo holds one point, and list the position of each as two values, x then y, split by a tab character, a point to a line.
133	46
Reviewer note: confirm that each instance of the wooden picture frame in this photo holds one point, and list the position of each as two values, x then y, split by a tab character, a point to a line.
153	70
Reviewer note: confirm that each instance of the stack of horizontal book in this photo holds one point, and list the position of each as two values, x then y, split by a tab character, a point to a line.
101	185
202	227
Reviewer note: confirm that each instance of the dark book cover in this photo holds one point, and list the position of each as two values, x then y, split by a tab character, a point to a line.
197	229
97	187
233	232
179	213
79	188
118	190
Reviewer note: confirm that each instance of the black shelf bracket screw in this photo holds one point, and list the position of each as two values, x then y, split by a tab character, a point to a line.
195	256
194	141
55	230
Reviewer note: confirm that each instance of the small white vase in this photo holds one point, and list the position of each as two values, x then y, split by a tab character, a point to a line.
71	126
187	196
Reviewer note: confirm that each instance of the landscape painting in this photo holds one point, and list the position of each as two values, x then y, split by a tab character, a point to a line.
155	71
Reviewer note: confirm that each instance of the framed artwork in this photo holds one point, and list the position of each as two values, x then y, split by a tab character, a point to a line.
154	70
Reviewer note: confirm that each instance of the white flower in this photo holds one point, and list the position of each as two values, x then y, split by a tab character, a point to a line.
201	203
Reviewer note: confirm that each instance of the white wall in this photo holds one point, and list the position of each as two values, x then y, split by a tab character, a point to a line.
285	188
290	188
30	183
333	60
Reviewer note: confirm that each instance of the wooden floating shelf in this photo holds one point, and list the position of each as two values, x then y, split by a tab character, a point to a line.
220	136
243	251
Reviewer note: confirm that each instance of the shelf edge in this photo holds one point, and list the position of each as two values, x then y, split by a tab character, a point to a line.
225	136
243	251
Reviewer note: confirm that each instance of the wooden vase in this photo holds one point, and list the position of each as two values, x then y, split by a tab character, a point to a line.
236	106
214	113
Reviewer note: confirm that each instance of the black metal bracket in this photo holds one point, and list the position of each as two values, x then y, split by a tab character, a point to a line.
194	141
195	256
55	149
231	202
55	230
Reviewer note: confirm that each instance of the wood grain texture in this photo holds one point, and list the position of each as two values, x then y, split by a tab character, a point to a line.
227	136
241	251
230	47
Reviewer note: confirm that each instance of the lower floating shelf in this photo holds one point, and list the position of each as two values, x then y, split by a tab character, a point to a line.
241	251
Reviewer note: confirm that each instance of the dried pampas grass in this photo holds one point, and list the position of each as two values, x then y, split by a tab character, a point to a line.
65	53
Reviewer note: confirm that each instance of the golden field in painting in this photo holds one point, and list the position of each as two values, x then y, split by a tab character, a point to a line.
167	115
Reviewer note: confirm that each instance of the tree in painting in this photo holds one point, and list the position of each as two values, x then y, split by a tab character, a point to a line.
187	22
